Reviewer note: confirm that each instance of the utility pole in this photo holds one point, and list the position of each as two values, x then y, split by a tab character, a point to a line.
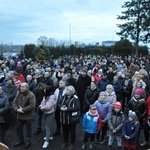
69	34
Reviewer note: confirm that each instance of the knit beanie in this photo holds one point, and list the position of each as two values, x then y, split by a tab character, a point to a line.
139	91
132	114
117	105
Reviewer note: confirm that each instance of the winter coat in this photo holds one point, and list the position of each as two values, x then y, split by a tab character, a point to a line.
102	84
118	87
139	107
116	122
130	129
32	86
56	93
27	101
91	123
11	91
104	109
48	104
71	81
4	103
82	84
72	115
111	97
21	77
49	82
91	95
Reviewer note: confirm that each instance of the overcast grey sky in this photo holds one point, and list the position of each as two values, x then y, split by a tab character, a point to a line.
88	21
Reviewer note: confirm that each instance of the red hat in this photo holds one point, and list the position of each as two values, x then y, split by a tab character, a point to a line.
117	105
139	91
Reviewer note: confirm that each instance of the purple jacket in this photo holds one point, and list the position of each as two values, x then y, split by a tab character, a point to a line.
104	109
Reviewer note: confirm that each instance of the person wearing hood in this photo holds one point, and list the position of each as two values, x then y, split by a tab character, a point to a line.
104	110
110	94
4	103
91	123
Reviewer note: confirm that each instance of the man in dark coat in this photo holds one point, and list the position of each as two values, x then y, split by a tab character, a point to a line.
11	91
82	83
31	83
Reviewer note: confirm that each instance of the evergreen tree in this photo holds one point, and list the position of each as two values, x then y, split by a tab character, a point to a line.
28	50
41	56
137	19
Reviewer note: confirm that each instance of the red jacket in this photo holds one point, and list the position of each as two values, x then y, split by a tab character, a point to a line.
21	77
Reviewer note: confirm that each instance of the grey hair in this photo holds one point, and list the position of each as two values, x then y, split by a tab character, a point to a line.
25	84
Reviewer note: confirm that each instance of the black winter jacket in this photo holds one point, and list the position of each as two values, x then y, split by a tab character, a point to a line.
72	115
139	107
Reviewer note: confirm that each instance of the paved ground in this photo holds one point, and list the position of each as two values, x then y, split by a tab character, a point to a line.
37	141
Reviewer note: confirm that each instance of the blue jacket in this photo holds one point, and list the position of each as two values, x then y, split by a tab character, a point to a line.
130	129
102	84
104	109
91	124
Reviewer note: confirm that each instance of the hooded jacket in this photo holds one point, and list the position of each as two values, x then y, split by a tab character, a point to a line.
104	109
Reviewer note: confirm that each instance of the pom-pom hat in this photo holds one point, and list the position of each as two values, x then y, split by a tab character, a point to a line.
132	114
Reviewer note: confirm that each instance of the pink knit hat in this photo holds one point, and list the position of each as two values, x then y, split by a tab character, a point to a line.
139	91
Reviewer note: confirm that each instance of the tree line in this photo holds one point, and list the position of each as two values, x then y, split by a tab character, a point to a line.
122	48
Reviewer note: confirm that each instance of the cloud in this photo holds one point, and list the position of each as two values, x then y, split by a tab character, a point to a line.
24	21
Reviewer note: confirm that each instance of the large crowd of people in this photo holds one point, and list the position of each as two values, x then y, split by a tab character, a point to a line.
109	95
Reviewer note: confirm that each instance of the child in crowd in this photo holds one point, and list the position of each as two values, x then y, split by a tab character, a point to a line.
115	124
138	105
130	131
91	124
111	95
104	110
